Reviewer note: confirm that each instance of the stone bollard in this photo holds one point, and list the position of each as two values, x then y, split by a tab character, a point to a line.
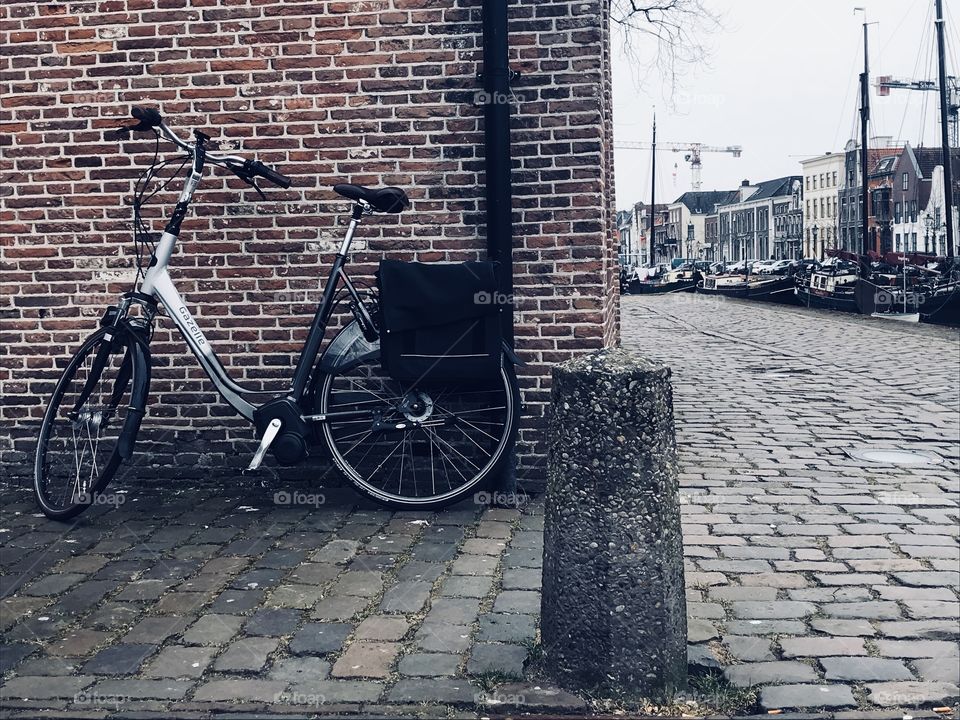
613	604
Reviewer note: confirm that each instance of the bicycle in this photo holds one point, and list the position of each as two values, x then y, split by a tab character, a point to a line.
378	431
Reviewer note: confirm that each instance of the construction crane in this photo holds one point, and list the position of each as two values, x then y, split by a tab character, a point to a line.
886	83
692	150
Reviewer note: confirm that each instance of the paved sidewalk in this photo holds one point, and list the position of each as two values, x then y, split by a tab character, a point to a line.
824	581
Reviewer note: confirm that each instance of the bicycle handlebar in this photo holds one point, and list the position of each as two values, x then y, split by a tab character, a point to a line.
246	169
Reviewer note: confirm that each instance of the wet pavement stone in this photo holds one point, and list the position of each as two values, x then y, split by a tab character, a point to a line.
828	583
123	659
320	638
429	664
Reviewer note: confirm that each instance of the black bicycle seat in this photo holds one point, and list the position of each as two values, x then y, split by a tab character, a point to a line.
387	199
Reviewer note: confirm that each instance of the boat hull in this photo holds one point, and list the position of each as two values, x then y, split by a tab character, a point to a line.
942	308
826	301
642	287
778	290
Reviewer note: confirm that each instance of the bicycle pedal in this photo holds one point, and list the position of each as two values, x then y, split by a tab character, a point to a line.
268	437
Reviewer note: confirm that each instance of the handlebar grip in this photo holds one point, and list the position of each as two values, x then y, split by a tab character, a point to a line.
270	174
148	117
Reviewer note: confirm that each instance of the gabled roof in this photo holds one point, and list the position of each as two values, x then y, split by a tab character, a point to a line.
774	188
929	158
702	202
778	187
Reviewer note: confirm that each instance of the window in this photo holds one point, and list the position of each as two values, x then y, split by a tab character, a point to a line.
913	211
896	242
897	212
808	182
913	242
906	182
834	178
822	184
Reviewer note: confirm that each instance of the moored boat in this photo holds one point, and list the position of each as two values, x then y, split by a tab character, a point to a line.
683	279
831	287
772	289
730	285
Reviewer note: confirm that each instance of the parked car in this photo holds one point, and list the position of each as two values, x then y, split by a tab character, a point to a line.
777	267
762	266
740	266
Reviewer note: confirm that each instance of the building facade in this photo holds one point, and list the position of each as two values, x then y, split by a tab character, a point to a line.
686	221
917	200
746	228
849	218
788	224
327	93
635	227
822	179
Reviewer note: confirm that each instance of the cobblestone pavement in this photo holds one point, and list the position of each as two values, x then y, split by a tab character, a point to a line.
826	581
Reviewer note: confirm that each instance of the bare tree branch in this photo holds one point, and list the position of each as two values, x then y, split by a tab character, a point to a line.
665	36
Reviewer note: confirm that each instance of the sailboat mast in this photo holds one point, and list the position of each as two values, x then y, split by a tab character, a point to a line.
864	121
944	126
653	189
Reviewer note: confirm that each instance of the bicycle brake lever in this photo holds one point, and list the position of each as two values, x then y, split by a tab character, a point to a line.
124	130
252	183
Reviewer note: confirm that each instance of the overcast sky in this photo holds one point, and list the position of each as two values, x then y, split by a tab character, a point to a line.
781	81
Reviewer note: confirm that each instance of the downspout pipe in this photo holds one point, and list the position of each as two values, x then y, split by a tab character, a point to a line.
496	96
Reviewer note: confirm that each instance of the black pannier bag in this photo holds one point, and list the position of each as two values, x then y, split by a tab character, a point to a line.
439	322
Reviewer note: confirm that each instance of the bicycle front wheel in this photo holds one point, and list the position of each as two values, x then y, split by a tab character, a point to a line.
77	450
418	445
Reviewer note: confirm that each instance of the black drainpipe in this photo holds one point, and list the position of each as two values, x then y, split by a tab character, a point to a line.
496	77
496	129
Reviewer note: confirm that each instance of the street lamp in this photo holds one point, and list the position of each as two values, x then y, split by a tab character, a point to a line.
815	236
689	239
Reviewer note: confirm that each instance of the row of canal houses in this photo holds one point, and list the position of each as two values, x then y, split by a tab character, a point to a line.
804	215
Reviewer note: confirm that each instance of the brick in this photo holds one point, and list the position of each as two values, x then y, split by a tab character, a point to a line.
817	647
429	665
760	610
763	673
911	694
244	690
864	669
803	696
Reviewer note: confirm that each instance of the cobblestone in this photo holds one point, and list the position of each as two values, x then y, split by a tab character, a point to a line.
807	566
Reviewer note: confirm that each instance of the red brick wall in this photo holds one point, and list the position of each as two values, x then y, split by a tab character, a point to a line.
374	92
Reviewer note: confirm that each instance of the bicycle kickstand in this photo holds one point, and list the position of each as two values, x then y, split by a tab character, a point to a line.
268	437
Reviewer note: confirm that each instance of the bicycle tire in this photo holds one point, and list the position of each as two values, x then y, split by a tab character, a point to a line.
112	455
475	484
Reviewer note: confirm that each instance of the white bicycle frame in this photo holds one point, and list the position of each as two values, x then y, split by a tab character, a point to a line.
158	284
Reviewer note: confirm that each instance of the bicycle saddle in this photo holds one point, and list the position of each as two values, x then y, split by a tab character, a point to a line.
387	199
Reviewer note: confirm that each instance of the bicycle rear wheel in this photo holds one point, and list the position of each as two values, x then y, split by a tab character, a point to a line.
77	450
418	445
